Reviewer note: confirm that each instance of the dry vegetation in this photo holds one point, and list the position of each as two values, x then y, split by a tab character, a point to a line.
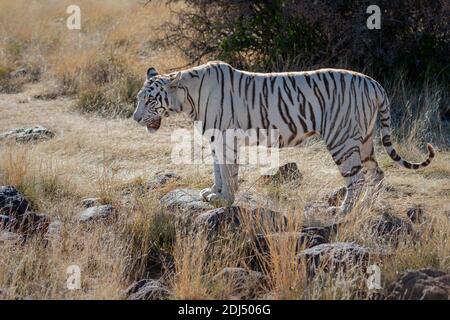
112	158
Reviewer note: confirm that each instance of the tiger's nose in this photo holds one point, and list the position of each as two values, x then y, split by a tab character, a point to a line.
137	118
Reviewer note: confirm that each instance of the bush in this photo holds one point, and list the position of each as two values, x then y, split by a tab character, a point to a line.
278	35
107	87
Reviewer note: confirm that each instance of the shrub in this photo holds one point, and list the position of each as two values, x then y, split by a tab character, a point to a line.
107	87
282	34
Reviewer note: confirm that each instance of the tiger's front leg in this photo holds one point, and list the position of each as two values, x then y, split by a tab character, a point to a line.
226	169
226	195
217	186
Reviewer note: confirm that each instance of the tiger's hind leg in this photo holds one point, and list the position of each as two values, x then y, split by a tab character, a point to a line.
372	171
349	163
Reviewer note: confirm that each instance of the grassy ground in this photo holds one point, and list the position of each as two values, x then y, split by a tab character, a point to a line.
112	158
91	156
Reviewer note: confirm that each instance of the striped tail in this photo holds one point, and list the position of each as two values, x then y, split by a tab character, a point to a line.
385	120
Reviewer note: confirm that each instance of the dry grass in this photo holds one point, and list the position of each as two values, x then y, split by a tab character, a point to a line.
58	173
112	158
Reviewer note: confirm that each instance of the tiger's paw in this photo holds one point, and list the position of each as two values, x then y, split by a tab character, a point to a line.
220	200
204	193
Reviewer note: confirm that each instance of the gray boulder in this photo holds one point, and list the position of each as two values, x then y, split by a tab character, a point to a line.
33	134
147	289
185	200
96	213
423	284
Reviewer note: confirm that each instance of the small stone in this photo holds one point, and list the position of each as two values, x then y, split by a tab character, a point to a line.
186	200
9	237
161	179
286	173
90	202
33	134
147	289
95	213
423	284
415	214
54	230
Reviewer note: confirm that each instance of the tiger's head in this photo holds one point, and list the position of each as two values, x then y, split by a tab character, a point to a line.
156	99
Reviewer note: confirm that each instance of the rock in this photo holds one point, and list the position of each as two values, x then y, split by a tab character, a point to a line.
415	214
12	202
186	200
9	237
334	256
90	202
423	284
243	283
286	173
37	133
28	223
3	293
309	237
161	179
95	213
34	222
337	196
147	289
260	219
389	227
54	230
19	72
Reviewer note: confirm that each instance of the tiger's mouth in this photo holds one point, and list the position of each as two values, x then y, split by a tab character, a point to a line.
153	125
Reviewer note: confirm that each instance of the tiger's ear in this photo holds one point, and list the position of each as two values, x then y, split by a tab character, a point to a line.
175	82
151	72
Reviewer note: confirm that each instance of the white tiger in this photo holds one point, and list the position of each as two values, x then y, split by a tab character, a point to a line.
339	105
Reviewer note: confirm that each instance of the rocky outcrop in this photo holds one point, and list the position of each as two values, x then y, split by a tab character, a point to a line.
147	289
335	256
388	227
423	284
259	219
12	201
32	134
185	200
15	215
242	283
